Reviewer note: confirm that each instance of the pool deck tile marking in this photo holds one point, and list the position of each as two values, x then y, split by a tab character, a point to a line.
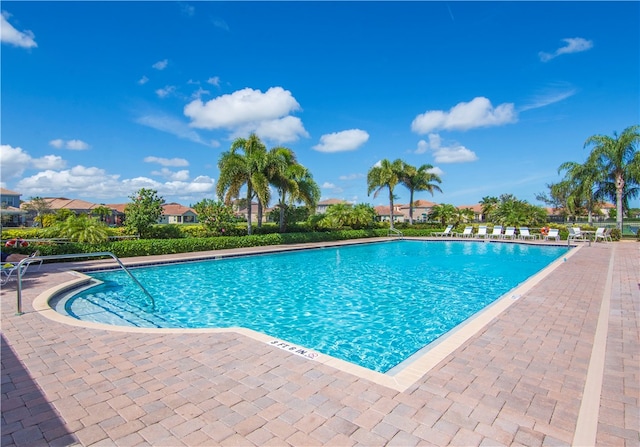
520	380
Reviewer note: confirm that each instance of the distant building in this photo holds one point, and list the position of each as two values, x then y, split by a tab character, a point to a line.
174	213
421	210
11	214
477	211
321	207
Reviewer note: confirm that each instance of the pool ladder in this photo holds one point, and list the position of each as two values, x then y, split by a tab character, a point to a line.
394	232
71	256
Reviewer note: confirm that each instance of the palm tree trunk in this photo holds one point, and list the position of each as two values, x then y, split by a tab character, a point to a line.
249	194
282	201
411	207
391	208
619	189
259	213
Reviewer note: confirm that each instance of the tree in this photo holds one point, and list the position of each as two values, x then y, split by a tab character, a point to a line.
387	175
582	179
420	179
618	159
144	211
293	181
80	228
514	212
336	216
244	165
489	205
39	206
102	212
444	213
216	217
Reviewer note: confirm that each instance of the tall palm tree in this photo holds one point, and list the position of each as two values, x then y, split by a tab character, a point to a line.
583	179
420	179
489	205
386	174
292	179
619	160
243	165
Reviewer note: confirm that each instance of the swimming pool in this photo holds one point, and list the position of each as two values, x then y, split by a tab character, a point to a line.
373	304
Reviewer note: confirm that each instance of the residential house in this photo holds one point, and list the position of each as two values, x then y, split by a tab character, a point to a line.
421	210
12	215
321	206
174	213
477	211
384	215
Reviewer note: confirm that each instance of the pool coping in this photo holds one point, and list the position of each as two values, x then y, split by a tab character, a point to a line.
399	378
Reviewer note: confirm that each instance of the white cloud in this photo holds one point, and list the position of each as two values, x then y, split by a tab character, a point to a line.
328	185
548	97
166	91
464	116
170	125
352	177
573	45
219	23
282	130
182	175
346	140
161	65
14	161
11	36
453	153
214	80
167	161
74	145
240	108
143	80
199	93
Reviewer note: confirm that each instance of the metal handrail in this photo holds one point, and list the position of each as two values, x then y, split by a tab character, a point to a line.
394	231
31	259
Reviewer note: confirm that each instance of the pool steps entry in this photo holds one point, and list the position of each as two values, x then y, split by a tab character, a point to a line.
71	256
394	232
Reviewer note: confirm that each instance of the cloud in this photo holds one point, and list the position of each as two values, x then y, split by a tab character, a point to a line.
351	177
346	140
214	80
453	153
548	97
247	110
74	145
464	116
166	91
11	36
14	161
170	125
143	80
328	185
573	45
219	23
161	65
167	161
182	175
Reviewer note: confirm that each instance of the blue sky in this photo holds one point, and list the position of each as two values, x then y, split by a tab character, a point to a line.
100	99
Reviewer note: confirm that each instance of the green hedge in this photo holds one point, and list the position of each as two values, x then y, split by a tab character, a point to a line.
147	247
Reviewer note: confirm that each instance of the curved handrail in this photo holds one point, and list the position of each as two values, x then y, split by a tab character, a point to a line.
31	259
396	232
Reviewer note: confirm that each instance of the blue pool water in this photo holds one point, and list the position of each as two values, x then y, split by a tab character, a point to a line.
373	305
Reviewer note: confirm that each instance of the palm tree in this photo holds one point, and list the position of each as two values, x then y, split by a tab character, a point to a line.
489	206
291	178
244	165
444	212
386	174
583	179
619	160
420	179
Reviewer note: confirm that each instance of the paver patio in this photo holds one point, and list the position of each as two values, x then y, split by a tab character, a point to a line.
521	380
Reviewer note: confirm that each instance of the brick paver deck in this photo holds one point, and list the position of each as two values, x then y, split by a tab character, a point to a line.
521	380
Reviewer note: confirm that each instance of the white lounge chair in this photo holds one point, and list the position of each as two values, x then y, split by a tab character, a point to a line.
554	234
525	234
509	233
446	232
575	234
497	232
601	233
482	231
9	269
468	232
